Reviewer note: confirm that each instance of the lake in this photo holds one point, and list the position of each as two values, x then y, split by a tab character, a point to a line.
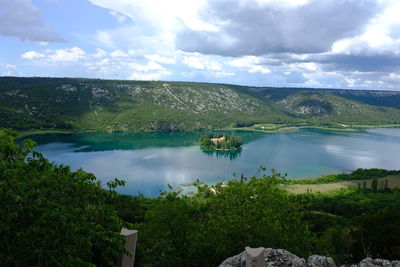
148	162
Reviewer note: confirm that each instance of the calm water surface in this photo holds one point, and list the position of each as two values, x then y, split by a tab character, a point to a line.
150	161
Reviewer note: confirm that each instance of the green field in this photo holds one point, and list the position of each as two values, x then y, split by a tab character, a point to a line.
392	180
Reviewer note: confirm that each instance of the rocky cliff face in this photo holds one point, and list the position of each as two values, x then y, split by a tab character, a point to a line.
283	258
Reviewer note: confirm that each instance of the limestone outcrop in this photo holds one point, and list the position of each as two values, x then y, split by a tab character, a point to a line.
268	257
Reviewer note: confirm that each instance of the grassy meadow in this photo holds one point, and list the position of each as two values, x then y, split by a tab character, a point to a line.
392	180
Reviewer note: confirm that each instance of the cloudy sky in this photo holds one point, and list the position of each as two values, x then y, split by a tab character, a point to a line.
307	43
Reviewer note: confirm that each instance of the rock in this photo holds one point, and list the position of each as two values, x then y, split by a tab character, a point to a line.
254	257
272	258
368	262
235	261
281	258
320	261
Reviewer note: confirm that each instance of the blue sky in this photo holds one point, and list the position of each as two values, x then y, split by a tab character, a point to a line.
296	43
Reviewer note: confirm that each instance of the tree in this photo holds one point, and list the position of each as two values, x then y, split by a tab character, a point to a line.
219	222
374	185
231	142
50	215
376	234
256	213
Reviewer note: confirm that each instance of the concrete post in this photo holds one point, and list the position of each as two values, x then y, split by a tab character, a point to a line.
130	245
254	257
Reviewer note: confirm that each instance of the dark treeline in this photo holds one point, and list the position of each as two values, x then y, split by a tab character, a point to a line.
53	216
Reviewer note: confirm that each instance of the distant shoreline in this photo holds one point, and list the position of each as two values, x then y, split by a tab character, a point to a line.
221	149
276	128
293	129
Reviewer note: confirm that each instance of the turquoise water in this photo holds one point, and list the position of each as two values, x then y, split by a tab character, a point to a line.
148	162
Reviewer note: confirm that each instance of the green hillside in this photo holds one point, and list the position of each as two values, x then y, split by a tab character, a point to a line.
113	105
326	107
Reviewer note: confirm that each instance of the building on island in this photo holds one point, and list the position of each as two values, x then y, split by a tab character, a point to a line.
217	140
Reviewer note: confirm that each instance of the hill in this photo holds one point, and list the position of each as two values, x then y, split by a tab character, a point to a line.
115	105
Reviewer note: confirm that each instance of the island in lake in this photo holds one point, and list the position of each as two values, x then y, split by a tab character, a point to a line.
212	141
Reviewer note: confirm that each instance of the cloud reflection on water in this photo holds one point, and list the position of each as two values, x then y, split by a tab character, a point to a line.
305	154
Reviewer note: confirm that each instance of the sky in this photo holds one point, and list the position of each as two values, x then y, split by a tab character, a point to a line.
286	43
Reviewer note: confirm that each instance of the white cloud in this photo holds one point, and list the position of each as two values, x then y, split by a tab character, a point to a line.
72	54
392	79
280	3
194	62
150	66
119	17
116	64
105	38
32	55
136	37
260	69
10	67
201	62
160	59
223	74
99	53
303	66
149	76
9	70
256	42
251	64
150	71
394	76
49	56
381	35
166	15
118	53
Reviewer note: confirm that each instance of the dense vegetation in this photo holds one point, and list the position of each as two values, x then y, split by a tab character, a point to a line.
356	223
109	105
230	142
217	223
53	216
220	221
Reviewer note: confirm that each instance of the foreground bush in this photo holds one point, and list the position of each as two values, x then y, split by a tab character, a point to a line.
219	221
50	215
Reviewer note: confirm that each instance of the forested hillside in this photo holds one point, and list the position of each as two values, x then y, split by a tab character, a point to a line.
111	105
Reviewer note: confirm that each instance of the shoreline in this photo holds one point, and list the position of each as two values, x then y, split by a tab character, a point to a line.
294	129
22	134
272	128
209	149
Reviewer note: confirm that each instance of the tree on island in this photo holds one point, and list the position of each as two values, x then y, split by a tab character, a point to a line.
212	141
